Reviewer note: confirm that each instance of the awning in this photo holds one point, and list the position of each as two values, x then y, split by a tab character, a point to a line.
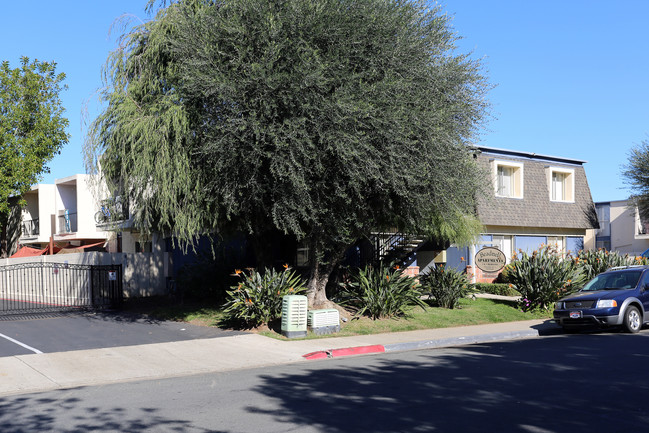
69	249
29	252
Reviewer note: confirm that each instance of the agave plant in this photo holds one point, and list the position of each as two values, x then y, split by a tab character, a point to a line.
380	292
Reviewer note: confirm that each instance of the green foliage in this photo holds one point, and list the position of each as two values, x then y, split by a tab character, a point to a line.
592	263
544	277
257	298
32	126
636	175
446	286
502	289
380	292
262	116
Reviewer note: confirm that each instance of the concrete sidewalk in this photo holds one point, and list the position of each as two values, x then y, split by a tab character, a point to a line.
49	371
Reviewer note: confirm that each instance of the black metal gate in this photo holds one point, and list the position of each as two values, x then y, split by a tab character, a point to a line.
35	287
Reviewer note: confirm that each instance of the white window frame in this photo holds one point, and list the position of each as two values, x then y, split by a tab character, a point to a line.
559	242
516	178
504	243
568	184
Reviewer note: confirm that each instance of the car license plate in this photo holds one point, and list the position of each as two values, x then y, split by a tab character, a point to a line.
575	314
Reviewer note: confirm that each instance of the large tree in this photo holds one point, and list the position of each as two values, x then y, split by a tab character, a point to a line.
32	130
324	119
636	175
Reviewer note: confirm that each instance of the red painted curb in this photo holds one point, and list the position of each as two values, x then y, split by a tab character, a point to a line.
349	351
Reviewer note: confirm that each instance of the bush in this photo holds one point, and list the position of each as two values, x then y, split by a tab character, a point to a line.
496	289
544	277
380	292
446	286
596	262
257	299
503	277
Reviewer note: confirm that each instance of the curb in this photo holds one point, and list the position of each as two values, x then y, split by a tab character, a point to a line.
348	351
459	341
418	345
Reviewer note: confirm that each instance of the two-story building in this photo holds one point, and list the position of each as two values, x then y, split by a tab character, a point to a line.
62	213
621	228
535	200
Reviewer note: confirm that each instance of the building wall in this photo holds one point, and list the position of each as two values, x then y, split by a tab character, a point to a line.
620	232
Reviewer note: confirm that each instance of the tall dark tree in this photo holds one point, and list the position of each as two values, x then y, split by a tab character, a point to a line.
324	119
32	130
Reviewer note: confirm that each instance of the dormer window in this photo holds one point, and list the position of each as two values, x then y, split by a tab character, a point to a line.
508	179
562	184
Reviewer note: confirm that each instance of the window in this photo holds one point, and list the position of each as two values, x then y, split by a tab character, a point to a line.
562	184
504	244
302	256
556	242
508	179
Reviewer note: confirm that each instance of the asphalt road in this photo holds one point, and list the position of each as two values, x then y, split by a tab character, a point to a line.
58	332
562	383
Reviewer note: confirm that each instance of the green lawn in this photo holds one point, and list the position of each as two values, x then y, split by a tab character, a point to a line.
471	312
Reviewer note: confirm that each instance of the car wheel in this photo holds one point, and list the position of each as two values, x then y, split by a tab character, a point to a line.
632	320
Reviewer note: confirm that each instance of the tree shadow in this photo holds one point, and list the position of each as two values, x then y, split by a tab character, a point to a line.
37	413
562	383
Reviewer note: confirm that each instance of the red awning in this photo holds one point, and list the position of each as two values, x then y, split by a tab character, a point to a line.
69	249
29	252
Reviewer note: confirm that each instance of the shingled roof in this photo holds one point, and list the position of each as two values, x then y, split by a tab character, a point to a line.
536	209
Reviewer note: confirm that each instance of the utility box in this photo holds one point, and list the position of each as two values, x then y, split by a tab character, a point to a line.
294	309
325	321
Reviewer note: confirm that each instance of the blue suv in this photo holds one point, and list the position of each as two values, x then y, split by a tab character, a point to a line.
617	297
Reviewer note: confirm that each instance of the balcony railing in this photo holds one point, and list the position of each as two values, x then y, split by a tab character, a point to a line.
68	222
31	227
111	211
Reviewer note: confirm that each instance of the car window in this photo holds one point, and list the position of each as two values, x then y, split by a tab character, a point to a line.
614	281
645	280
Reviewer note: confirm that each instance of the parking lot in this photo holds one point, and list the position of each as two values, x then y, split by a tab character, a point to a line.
62	332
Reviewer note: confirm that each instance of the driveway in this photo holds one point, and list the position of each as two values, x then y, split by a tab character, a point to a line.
60	332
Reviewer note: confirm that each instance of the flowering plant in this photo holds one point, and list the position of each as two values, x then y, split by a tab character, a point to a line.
257	298
544	277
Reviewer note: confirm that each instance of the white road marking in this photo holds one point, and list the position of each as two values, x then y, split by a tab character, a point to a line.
20	344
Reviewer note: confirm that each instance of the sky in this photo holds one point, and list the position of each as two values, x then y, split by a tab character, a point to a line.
570	77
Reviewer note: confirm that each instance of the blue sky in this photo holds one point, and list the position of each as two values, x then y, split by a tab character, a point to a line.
570	75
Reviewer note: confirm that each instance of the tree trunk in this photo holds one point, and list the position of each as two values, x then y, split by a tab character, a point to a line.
319	275
316	287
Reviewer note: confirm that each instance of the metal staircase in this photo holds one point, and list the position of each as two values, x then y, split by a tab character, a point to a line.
395	247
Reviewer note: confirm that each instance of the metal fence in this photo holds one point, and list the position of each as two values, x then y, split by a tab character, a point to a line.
35	287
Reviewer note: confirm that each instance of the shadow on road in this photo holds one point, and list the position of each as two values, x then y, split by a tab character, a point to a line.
562	383
37	414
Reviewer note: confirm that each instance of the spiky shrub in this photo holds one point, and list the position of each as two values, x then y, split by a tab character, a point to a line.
446	286
596	262
257	298
380	292
544	277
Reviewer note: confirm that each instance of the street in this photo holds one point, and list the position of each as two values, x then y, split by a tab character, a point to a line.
551	384
61	332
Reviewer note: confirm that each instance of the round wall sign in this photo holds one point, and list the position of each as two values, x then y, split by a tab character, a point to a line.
490	259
